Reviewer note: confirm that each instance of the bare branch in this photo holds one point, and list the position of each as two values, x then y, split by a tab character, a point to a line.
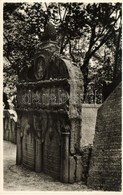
107	31
105	38
102	43
9	60
65	14
59	12
73	58
64	44
46	5
92	38
6	37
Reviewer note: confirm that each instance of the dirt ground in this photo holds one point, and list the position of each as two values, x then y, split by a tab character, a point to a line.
18	178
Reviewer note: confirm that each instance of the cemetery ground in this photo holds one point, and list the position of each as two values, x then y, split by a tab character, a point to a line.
18	178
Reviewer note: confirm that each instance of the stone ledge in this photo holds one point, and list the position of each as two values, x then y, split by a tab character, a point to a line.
91	105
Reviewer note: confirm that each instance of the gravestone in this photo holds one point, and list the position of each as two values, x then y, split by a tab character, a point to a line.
105	165
6	125
9	125
49	114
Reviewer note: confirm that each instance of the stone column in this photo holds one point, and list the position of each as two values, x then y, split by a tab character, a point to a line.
19	146
4	123
78	168
65	157
75	135
38	157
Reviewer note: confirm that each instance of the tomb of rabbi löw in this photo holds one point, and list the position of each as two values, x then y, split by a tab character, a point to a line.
49	113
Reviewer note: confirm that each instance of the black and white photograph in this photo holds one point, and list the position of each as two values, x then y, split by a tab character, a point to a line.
61	96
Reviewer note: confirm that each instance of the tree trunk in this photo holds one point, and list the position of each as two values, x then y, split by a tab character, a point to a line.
115	72
84	69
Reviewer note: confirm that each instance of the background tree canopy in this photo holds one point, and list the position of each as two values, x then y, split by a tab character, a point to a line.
90	34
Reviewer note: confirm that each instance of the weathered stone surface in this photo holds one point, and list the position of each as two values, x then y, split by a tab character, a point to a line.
105	166
65	157
89	115
51	153
9	125
28	142
13	131
49	104
79	168
19	144
72	169
38	155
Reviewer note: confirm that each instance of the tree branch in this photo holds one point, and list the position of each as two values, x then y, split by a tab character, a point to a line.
7	57
105	38
60	13
64	44
116	54
100	35
6	37
102	42
62	41
92	38
46	5
73	58
65	14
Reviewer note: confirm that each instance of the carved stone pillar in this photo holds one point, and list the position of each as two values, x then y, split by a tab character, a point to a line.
75	135
65	157
38	157
19	145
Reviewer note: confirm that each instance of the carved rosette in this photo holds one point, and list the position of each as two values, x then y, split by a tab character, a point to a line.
39	67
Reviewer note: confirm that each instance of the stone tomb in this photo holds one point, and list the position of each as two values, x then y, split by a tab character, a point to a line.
49	115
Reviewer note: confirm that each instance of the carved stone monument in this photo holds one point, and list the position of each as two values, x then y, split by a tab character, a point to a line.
49	114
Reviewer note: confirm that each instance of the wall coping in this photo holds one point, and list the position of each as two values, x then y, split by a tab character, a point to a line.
91	105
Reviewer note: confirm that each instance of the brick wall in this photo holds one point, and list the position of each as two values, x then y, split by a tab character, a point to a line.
105	164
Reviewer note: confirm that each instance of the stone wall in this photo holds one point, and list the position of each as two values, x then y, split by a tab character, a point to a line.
89	114
105	165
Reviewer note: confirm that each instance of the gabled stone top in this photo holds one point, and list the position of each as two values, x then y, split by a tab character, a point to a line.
49	32
48	63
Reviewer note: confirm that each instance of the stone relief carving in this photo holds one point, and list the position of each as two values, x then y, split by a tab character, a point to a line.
26	128
40	125
53	116
40	67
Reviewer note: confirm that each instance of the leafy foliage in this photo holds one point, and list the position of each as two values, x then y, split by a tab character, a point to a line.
85	32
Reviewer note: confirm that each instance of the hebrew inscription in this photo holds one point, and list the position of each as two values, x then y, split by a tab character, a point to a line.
43	97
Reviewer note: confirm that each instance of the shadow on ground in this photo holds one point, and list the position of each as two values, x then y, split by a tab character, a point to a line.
18	178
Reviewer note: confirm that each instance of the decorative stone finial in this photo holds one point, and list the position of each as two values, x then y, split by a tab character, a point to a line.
49	32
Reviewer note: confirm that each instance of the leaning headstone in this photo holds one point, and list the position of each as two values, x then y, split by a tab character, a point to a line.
105	165
9	125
